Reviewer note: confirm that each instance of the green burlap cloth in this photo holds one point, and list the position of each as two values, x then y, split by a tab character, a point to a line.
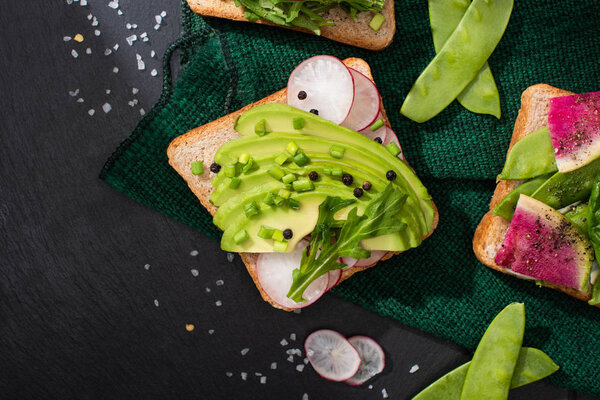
439	287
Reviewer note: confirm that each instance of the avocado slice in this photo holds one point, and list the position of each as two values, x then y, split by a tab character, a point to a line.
280	117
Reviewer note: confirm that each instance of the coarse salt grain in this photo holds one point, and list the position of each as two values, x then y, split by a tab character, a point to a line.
88	51
147	267
74	53
211	331
131	39
414	368
144	35
116	46
290	359
193	253
134	26
152	53
207	290
119	12
258	373
244	375
292	336
384	393
141	65
114	4
128	26
106	107
219	282
245	351
73	93
80	100
89	17
107	91
273	365
229	374
67	38
97	32
163	13
263	380
283	342
156	302
300	367
107	52
305	396
218	303
91	112
158	19
142	112
194	272
95	21
230	257
116	70
83	3
154	72
156	27
306	360
370	387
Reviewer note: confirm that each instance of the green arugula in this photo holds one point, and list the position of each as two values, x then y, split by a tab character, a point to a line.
593	227
303	13
323	252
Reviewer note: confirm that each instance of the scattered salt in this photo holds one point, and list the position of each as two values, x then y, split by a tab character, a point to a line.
147	266
163	14
67	38
292	336
128	26
88	51
142	112
384	393
83	3
119	12
207	290
141	65
144	35
245	351
218	303
107	52
370	387
273	365
414	368
80	100
229	374
89	17
154	72
193	253
219	282
116	46
290	359
134	26
152	53
258	373
263	380
106	107
283	342
116	70
131	39
91	111
300	367
306	360
97	32
156	27
95	21
305	396
73	93
194	272
230	257
114	4
74	53
107	91
156	302
244	375
158	19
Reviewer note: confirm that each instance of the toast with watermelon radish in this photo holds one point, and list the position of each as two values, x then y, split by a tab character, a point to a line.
528	243
205	143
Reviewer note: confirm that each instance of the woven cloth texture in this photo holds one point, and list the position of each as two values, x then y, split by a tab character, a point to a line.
439	287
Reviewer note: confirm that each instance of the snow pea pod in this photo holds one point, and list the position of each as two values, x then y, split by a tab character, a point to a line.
579	216
459	60
506	207
531	156
564	188
481	95
532	365
490	373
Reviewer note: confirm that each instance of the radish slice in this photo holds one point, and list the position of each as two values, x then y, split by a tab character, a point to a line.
331	355
391	137
372	359
274	272
380	133
365	108
349	261
322	84
376	255
334	278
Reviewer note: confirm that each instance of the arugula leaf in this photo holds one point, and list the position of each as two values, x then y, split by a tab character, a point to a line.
378	219
593	225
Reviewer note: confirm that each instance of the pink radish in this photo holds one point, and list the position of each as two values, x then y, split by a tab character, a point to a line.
376	255
349	261
334	278
391	137
380	133
274	272
322	85
365	107
331	355
372	359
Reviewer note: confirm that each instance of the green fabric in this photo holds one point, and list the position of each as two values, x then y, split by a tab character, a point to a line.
439	287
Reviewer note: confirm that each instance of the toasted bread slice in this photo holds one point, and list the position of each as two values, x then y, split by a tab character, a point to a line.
490	233
355	33
203	142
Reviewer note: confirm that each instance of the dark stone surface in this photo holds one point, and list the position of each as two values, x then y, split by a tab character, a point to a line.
77	311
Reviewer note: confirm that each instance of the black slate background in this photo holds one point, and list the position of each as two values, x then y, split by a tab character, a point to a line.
77	312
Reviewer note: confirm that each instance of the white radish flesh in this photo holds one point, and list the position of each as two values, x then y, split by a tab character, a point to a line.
274	272
365	107
372	359
334	278
380	132
331	355
323	84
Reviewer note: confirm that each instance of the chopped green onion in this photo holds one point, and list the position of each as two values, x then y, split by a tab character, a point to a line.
265	232
197	167
393	148
327	170
243	158
230	170
293	203
261	128
289	178
377	124
292	148
301	159
280	246
276	172
303	185
284	193
234	183
288	186
279	200
249	166
376	22
277	235
240	236
269	199
250	209
298	123
337	151
337	171
282	159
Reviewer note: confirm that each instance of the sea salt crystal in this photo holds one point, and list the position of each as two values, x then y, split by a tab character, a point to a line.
116	70
73	93
211	331
131	39
114	4
144	35
128	26
300	367
245	351
229	374
91	111
414	368
107	52
283	342
97	32
107	91
384	393
194	272
244	375
305	396
154	72
88	51
74	53
67	38
263	380
306	360
141	65
258	373
134	26
95	21
370	387
207	290
142	112
116	46
163	14
83	3
156	302
156	27
230	257
152	54
292	336
106	107
119	12
290	359
89	17
147	266
193	253
219	282
273	365
80	100
218	303
158	19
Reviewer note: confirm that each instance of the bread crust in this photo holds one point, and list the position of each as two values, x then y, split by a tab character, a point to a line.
204	141
355	33
490	232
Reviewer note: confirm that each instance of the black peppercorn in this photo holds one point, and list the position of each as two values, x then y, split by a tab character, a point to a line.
313	176
390	175
214	167
366	185
316	112
302	95
287	234
378	140
347	179
358	192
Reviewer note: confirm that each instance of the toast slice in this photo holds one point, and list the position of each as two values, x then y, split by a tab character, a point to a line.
490	233
355	33
204	141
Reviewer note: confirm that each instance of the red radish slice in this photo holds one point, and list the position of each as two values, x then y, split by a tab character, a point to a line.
331	355
391	137
372	359
274	272
365	108
349	261
324	84
376	255
380	133
334	278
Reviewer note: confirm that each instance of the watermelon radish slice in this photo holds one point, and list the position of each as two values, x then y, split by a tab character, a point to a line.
331	355
372	359
574	123
543	244
322	85
365	107
274	272
380	133
391	137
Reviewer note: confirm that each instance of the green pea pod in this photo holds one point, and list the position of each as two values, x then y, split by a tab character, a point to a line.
579	216
531	156
481	95
459	60
506	207
532	365
564	188
593	228
490	374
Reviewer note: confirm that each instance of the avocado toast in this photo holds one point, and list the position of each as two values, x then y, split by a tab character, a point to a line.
218	140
